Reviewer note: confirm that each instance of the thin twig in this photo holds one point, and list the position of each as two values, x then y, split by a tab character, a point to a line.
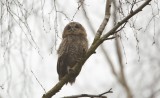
91	96
112	31
38	81
80	3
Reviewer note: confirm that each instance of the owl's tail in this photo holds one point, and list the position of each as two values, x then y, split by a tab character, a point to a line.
71	80
72	77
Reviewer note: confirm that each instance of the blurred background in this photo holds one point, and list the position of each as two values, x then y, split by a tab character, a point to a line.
30	34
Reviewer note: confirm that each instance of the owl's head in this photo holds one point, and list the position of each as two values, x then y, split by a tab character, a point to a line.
74	28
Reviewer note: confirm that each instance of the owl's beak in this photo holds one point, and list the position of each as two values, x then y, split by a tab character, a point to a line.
72	29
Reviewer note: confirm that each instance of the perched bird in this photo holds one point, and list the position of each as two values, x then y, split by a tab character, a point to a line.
73	47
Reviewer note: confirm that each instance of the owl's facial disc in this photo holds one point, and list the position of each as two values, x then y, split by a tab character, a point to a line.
73	27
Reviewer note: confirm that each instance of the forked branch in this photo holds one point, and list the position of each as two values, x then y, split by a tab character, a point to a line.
97	41
102	95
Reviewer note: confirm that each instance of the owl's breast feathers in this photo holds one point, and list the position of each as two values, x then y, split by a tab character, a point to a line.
70	51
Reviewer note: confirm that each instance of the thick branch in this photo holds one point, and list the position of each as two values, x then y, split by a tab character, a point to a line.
104	22
91	50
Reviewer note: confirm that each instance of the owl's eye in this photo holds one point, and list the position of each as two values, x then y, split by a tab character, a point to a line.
77	26
68	27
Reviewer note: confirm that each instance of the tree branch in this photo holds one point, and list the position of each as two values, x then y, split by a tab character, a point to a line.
97	41
91	96
112	31
104	22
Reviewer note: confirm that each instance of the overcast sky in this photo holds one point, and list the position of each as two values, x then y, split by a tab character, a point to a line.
30	38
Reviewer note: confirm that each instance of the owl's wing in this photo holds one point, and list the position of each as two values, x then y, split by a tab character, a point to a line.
64	59
61	66
65	62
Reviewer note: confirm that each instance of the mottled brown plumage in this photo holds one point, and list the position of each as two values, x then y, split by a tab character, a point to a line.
73	47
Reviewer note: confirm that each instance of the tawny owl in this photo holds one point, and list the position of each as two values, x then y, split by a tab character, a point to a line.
73	47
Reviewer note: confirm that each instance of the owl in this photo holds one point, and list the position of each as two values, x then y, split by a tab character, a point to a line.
73	47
